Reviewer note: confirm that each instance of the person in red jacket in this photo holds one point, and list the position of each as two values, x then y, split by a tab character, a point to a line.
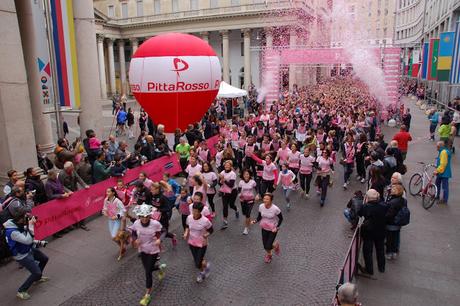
403	137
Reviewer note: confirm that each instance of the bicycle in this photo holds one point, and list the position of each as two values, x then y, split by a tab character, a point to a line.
421	183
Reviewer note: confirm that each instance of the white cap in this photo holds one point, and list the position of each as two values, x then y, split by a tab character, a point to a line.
143	210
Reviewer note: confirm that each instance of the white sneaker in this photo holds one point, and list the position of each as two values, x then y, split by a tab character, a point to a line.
363	180
245	231
307	196
358	177
345	186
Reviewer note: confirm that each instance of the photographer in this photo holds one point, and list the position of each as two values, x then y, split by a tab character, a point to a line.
23	247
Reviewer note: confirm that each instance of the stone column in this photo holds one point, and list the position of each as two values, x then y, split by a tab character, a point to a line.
113	89
121	55
292	43
28	18
205	36
90	91
100	55
247	57
17	139
268	38
225	57
134	45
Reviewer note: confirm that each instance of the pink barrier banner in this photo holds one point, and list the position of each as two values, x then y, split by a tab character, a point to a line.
56	215
211	144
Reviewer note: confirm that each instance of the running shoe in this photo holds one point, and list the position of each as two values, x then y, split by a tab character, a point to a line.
43	279
245	231
318	191
277	249
358	177
161	273
237	214
321	203
288	206
145	300
174	241
363	180
307	196
207	270
200	277
224	225
23	295
389	256
268	258
345	186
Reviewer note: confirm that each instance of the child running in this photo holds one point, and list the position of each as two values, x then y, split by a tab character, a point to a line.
286	178
197	232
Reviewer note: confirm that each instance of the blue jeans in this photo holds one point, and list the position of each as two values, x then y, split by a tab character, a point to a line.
114	226
347	171
443	183
347	214
287	194
30	263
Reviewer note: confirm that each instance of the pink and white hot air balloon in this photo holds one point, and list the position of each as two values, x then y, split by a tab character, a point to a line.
175	77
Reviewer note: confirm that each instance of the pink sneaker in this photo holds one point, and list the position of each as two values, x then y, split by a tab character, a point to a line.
268	258
277	249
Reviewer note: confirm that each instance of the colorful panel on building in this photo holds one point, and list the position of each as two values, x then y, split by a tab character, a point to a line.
425	60
433	59
446	49
455	68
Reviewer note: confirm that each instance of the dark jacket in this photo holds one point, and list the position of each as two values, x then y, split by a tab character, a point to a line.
71	181
100	171
394	205
35	183
374	220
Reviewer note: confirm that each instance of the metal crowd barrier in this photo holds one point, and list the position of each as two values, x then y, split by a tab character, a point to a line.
350	264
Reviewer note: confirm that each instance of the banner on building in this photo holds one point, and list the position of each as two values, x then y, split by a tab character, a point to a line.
415	70
455	68
446	49
425	60
65	53
56	215
433	59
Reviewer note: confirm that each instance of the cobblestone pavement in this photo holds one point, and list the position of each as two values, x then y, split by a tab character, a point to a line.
427	271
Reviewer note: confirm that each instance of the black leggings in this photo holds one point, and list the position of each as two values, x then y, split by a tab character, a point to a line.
266	186
268	238
211	201
361	167
246	208
149	262
228	199
323	183
295	171
198	255
305	180
184	221
165	229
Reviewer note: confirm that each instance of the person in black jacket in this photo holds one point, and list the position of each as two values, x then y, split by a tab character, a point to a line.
35	185
161	202
394	204
373	231
353	207
377	181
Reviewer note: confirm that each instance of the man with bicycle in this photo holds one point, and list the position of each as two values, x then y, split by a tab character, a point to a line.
443	171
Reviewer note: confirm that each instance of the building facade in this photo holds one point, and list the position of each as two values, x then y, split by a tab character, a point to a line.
238	30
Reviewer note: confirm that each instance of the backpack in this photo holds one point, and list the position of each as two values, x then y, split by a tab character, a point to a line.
402	218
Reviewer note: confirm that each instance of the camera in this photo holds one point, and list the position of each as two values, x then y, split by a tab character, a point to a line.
40	243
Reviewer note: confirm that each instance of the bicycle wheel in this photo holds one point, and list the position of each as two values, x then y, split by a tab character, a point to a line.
415	184
429	197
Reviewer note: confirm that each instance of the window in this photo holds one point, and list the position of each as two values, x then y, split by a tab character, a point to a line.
140	8
124	10
214	3
157	6
385	32
193	5
235	2
242	48
175	5
111	11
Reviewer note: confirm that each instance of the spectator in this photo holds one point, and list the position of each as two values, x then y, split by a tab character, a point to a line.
347	295
118	169
434	119
148	149
70	180
394	203
403	137
85	171
123	152
34	184
100	170
17	198
406	119
192	134
43	161
135	159
443	171
183	150
122	116
160	137
373	231
13	177
54	188
444	131
130	121
113	147
353	207
64	153
142	120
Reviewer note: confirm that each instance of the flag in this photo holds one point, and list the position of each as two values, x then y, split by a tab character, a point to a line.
455	69
425	60
433	59
415	70
446	49
409	69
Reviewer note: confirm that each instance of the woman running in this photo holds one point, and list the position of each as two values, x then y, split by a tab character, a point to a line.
286	179
146	235
197	232
228	189
183	205
162	204
269	174
115	210
306	171
325	168
348	160
270	218
294	161
247	188
210	178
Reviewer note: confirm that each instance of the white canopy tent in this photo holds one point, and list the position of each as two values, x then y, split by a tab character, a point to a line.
227	91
